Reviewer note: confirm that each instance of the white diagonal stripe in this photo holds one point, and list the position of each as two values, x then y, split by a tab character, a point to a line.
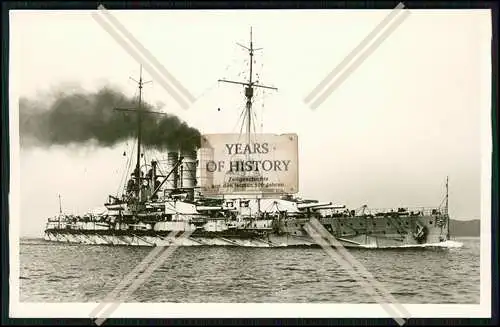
146	53
141	279
355	52
359	60
349	263
111	297
137	56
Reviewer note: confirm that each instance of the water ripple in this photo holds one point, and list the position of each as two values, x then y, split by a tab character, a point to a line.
67	273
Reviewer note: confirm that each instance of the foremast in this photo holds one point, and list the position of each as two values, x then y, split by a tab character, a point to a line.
139	137
139	111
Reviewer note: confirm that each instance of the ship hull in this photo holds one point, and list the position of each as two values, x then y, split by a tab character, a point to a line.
362	232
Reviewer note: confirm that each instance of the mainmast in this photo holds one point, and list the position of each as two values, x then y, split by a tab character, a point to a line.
249	86
249	90
60	205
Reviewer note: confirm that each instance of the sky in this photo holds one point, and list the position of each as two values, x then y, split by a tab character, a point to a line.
406	118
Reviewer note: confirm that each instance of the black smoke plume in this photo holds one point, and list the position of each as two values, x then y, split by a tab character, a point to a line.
78	117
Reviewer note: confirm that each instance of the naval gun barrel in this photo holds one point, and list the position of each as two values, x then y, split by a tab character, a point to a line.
207	208
329	207
313	205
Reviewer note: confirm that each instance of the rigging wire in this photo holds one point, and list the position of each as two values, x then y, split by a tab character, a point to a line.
240	133
143	156
216	83
242	125
264	93
126	172
123	179
158	166
239	118
243	111
207	90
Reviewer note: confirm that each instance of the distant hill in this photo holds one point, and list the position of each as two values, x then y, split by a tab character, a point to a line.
464	228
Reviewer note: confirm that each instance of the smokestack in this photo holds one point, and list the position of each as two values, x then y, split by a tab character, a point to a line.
172	158
206	176
188	172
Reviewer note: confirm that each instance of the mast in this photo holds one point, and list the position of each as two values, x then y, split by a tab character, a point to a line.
60	205
446	203
249	90
446	212
139	121
139	112
249	86
60	213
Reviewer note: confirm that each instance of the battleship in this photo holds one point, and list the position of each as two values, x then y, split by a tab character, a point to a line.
163	198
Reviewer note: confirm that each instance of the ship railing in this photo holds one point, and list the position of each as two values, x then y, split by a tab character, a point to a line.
402	211
86	218
56	225
380	212
52	225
